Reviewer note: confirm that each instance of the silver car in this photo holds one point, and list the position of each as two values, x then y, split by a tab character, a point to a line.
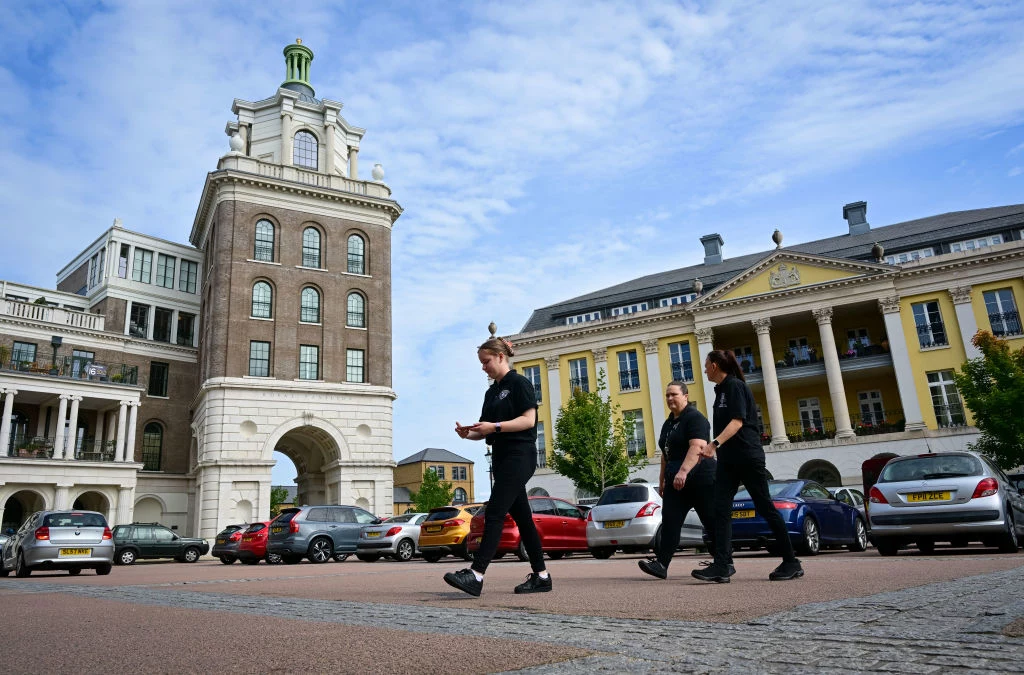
627	517
955	497
396	538
319	533
59	540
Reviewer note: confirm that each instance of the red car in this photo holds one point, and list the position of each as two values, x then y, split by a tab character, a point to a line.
253	547
562	527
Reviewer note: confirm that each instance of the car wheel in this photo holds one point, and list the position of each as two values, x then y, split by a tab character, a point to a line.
887	548
810	542
926	546
432	557
273	559
320	550
340	557
126	557
556	555
190	555
1008	543
602	553
103	570
75	571
228	559
860	536
368	557
21	570
521	552
405	550
3	570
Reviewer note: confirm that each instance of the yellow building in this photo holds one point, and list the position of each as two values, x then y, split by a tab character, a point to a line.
447	465
849	343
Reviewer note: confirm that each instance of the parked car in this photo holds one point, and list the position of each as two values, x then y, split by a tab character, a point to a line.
852	497
318	533
396	538
815	519
445	531
955	497
627	517
153	540
562	528
225	545
253	545
59	540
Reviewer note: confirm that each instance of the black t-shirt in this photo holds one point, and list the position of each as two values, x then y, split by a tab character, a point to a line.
506	400
676	434
735	401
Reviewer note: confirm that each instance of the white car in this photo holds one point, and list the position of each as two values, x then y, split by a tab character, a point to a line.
396	537
627	517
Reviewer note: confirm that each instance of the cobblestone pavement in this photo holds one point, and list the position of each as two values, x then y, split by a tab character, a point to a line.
955	625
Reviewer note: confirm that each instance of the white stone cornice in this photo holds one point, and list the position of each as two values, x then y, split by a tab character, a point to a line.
592	328
785	295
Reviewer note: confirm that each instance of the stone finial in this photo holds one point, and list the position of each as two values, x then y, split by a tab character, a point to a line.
377	173
777	238
493	328
118	223
698	285
236	143
878	251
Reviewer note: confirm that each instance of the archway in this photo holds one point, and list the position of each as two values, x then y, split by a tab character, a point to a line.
538	492
822	471
93	501
148	510
20	506
315	454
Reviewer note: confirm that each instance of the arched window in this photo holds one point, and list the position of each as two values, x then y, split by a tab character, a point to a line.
264	249
310	312
262	300
152	446
460	496
356	311
304	150
356	255
311	247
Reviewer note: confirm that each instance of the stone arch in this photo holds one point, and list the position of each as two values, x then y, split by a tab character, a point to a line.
93	500
822	471
538	492
19	505
242	511
363	503
316	447
319	431
149	509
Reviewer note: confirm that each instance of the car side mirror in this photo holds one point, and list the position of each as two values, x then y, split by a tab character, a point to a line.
377	521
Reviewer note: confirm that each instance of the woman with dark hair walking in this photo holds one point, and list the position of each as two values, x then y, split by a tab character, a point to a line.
508	422
740	460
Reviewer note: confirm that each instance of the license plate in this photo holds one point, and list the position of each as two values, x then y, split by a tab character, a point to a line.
744	513
247	539
609	524
433	529
928	496
275	530
371	535
221	541
74	552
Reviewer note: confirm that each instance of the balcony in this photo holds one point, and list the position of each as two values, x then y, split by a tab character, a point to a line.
932	335
950	416
41	447
580	383
878	422
299	175
682	372
809	363
823	428
69	368
30	311
1006	324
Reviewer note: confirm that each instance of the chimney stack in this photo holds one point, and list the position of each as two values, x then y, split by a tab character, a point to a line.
712	248
856	215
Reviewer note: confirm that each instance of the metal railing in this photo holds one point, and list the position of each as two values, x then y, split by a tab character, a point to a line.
859	349
798	355
1006	323
636	445
580	383
877	422
682	371
629	380
91	452
74	368
816	429
932	335
30	447
949	416
542	459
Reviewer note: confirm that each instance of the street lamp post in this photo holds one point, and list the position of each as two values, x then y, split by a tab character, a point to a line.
490	469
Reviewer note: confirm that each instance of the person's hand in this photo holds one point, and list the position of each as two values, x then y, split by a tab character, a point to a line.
707	450
484	428
680	480
462	431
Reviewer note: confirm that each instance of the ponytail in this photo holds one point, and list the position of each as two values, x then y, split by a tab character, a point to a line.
727	363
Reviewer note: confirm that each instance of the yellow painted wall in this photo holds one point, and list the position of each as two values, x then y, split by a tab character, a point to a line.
633	400
981	311
411	476
886	384
696	387
543	414
809	275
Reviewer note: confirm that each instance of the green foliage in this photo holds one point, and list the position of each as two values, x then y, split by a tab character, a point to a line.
278	496
433	492
992	386
590	441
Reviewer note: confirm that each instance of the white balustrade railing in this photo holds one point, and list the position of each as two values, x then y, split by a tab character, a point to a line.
31	311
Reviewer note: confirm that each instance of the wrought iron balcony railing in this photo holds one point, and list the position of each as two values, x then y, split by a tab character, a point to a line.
948	416
932	335
1005	324
74	368
814	429
877	422
580	383
629	380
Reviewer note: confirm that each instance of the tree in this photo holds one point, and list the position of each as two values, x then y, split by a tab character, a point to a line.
278	496
992	386
433	492
591	439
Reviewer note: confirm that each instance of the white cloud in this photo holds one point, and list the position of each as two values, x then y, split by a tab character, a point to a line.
1015	171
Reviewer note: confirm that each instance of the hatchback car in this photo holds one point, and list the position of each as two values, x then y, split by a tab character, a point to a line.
395	538
446	530
627	517
225	545
815	519
318	533
562	528
153	540
59	540
253	545
955	497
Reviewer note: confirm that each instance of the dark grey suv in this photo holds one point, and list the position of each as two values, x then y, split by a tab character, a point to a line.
317	532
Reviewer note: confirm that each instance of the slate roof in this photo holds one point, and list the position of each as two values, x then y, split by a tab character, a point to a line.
401	495
907	236
434	455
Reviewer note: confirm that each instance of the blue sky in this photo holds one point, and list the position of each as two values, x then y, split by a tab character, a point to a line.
541	150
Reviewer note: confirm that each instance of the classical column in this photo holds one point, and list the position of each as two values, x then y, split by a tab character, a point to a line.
60	500
286	139
965	318
5	424
174	327
655	387
901	363
122	415
834	373
111	434
97	445
72	442
124	506
129	441
554	394
353	163
601	363
60	435
329	131
705	344
41	422
772	396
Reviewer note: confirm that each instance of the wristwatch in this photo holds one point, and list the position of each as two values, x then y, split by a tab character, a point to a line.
497	427
714	442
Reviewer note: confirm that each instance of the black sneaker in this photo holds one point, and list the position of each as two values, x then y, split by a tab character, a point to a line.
786	571
534	584
653	567
717	572
465	580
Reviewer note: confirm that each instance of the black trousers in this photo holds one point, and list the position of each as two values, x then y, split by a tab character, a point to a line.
749	470
698	494
508	496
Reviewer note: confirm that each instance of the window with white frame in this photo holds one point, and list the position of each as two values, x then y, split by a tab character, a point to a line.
309	305
355	365
142	269
309	362
532	373
356	255
259	358
542	457
578	377
355	315
908	256
928	319
438	471
857	336
872	412
187	276
165	265
138	320
264	246
629	371
1002	312
304	150
677	300
745	357
311	247
949	411
974	244
96	264
582	318
810	414
637	441
122	261
681	360
459	473
23	352
262	300
629	309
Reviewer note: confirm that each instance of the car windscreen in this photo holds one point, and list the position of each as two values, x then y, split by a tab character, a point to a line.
230	529
255	527
74	520
930	466
285	517
774	489
442	514
623	494
399	519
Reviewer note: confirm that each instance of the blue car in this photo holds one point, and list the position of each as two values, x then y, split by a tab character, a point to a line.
815	519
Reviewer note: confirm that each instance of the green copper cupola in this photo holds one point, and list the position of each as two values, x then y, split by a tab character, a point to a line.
297	58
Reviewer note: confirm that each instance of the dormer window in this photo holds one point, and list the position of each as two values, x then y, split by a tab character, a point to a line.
304	150
583	318
629	309
677	300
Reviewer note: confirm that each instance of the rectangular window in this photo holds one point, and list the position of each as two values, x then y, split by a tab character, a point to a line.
162	324
80	361
677	300
94	269
165	265
542	457
122	261
532	373
907	256
459	473
23	353
975	244
309	362
745	357
578	378
682	363
629	309
810	415
259	358
1002	312
800	352
637	442
142	269
629	371
187	276
138	321
186	329
857	336
582	318
872	412
354	365
928	319
438	471
157	379
949	411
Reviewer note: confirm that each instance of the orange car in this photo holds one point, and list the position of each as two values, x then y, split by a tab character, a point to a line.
446	530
